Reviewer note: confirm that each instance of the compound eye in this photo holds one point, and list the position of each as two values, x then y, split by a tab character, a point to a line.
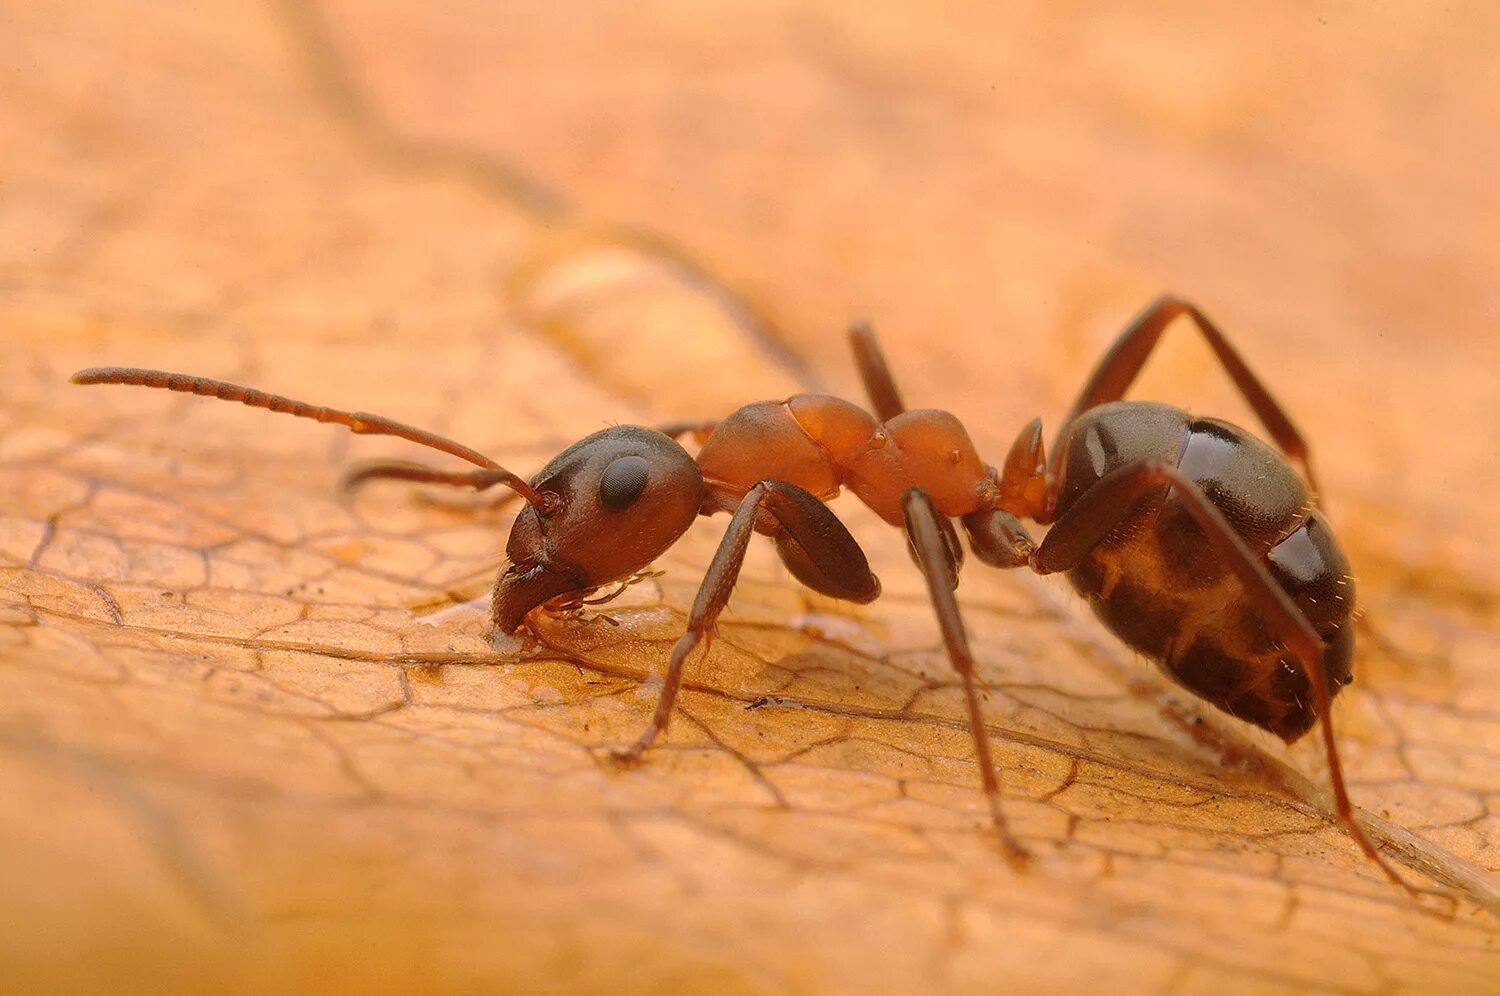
622	483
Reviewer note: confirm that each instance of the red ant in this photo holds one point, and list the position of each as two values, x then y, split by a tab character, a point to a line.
1199	545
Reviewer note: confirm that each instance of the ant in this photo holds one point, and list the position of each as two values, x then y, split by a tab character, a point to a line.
1198	544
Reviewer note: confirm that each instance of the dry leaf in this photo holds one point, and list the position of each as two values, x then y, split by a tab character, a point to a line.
235	756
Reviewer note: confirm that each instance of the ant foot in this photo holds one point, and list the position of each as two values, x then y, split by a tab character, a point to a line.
627	757
1016	856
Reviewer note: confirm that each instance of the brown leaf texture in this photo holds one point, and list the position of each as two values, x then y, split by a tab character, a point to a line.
235	754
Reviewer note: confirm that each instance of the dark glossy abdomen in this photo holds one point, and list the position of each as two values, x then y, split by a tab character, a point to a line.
1159	583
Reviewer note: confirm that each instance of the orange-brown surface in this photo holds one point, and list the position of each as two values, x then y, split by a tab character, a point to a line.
234	757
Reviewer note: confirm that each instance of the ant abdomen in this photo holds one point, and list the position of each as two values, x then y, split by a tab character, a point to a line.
1160	584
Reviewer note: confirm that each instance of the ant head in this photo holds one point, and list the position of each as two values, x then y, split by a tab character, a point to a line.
622	497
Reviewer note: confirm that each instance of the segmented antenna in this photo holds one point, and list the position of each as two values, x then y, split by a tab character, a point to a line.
360	422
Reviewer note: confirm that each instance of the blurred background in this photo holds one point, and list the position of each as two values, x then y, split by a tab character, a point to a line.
233	758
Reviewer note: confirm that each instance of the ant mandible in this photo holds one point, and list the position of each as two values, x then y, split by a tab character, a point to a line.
1199	545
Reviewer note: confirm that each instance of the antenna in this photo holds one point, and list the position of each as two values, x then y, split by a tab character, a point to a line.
360	422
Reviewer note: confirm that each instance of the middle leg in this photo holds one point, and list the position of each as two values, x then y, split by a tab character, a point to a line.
875	372
927	541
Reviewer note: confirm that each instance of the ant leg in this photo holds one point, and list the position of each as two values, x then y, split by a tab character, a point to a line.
926	537
933	544
1120	364
827	559
1101	509
953	551
876	374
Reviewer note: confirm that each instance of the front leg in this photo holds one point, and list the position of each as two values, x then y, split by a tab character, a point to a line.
827	558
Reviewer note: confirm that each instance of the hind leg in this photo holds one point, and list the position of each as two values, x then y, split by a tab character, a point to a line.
1125	357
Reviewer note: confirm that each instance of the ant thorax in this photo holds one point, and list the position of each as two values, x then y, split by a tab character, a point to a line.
822	443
